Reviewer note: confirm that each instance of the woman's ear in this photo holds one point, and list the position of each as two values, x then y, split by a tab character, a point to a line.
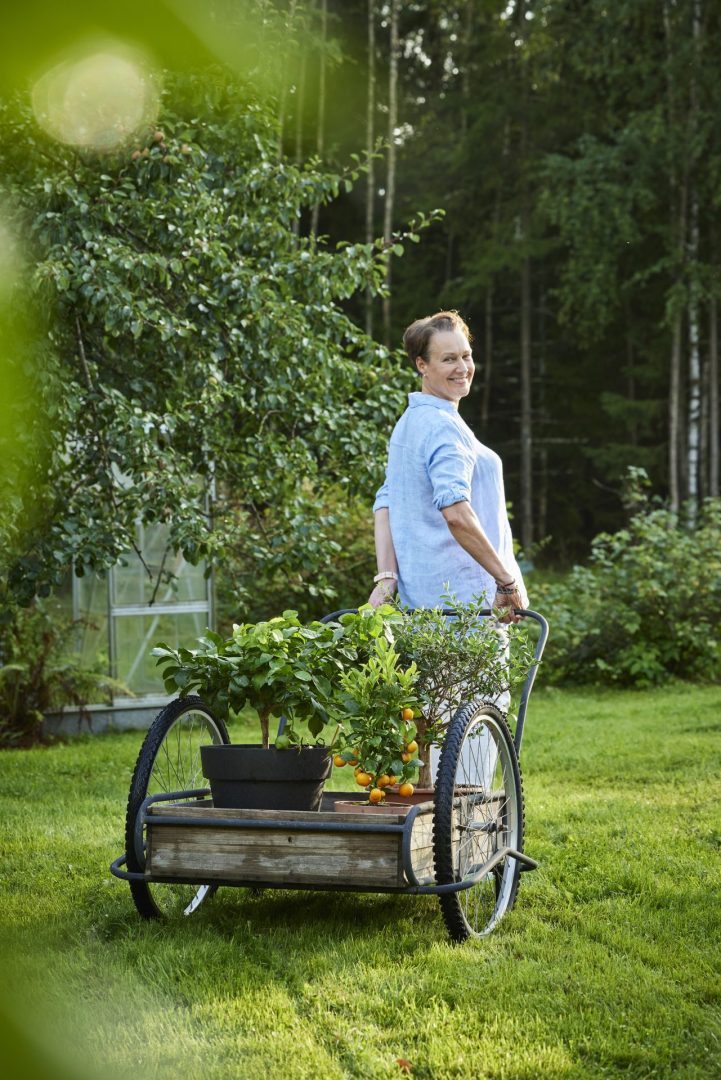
420	364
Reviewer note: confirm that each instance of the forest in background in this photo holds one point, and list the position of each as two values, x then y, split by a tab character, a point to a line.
201	318
574	147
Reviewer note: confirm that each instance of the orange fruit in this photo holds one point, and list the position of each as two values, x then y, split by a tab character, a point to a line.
406	789
412	747
375	795
363	779
407	713
339	761
392	779
383	780
406	757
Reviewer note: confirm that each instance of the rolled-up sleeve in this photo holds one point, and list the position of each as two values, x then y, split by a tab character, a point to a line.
450	467
382	501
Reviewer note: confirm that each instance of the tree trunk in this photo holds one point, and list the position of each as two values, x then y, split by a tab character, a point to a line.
713	402
300	103
526	416
630	372
370	145
487	358
542	516
526	315
425	773
467	55
283	92
264	715
694	354
320	136
450	241
703	470
678	240
674	413
391	174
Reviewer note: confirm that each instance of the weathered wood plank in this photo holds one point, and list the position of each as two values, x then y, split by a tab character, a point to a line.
268	839
285	856
245	855
330	817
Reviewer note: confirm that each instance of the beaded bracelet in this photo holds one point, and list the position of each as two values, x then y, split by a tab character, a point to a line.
383	574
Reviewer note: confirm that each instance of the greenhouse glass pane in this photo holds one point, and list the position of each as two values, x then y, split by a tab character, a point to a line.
92	596
91	605
135	637
133	585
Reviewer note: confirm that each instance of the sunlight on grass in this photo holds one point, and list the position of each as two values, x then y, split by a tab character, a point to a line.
603	968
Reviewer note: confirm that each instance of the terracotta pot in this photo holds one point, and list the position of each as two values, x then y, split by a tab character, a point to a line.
420	795
345	806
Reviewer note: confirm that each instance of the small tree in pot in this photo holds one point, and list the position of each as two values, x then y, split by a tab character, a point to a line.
279	668
458	658
375	707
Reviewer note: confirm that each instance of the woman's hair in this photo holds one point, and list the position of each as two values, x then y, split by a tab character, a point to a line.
418	335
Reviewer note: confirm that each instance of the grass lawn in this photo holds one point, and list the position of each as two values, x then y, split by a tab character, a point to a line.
609	965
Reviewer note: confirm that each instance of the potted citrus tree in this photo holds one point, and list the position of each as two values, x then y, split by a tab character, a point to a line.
375	706
417	669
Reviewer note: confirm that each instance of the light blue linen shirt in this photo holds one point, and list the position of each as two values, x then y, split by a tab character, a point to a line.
435	460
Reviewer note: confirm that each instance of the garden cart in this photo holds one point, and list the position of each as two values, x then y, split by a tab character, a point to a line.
464	845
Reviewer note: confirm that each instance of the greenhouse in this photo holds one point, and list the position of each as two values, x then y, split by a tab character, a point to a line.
120	617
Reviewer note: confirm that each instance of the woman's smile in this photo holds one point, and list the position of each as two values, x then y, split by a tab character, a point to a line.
448	371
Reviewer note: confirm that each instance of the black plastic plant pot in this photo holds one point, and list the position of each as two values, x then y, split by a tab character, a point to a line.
247	777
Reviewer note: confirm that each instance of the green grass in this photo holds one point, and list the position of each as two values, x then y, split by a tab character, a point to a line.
608	966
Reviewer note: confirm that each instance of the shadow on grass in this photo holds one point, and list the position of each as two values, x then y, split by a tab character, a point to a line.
308	913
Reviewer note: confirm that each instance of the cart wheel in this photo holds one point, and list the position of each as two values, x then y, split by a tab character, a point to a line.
479	808
169	760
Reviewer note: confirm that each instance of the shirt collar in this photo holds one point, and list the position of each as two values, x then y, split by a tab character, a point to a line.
418	398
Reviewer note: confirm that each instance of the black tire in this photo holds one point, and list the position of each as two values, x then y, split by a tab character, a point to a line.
169	760
467	831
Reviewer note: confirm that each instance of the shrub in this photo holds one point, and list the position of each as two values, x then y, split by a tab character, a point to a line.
197	365
40	672
645	608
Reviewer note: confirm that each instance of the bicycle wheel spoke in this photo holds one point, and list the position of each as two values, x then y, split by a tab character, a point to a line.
478	812
170	762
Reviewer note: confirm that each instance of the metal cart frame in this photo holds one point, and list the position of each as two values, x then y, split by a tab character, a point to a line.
167	828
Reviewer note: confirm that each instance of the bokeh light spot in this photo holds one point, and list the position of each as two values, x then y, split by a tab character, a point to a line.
99	100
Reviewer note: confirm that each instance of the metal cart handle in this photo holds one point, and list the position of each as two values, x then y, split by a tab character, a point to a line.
530	678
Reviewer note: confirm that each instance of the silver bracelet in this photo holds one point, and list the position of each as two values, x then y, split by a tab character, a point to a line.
383	574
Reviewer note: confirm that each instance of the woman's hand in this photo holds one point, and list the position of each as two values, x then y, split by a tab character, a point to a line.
383	592
509	600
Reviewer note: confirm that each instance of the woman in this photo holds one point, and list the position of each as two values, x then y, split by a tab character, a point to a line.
441	524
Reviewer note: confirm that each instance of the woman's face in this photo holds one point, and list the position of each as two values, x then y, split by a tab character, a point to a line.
448	372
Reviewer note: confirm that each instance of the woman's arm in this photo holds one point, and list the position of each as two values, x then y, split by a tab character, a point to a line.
466	529
385	557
